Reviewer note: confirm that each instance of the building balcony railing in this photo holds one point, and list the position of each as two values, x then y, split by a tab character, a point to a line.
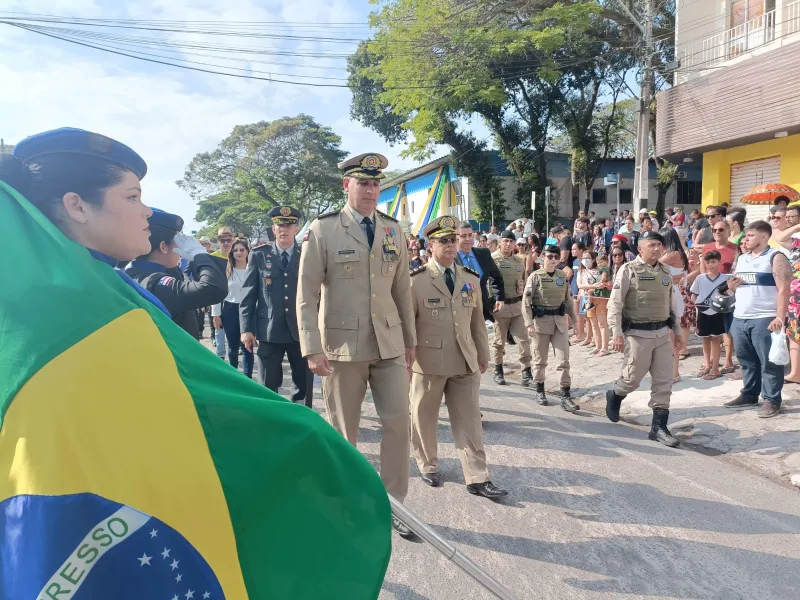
737	41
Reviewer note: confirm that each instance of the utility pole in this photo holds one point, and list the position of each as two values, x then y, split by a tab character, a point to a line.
641	176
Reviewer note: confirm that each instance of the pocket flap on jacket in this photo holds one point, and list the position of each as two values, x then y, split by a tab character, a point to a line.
335	321
434	303
392	320
430	341
344	256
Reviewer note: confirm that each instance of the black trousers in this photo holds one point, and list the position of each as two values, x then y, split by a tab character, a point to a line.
270	370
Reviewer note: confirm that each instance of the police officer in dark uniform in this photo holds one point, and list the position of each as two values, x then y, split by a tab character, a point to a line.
159	271
267	311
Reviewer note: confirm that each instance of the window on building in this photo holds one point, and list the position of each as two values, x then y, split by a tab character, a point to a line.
599	196
626	196
689	192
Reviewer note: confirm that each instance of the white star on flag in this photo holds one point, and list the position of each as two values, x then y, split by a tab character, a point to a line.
206	595
174	564
175	597
144	560
165	553
154	533
189	594
179	578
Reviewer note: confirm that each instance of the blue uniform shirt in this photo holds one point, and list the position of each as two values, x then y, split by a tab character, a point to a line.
126	278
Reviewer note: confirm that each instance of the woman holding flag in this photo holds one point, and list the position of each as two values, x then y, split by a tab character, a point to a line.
138	464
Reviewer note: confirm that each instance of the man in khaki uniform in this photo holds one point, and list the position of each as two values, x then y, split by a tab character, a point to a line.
509	318
546	305
640	316
452	352
355	286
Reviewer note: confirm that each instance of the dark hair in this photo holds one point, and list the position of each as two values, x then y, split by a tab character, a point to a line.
760	226
713	255
720	210
672	243
45	182
738	215
795	208
231	260
581	246
158	234
781	199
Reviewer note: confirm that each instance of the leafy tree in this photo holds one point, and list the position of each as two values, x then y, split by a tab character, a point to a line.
290	161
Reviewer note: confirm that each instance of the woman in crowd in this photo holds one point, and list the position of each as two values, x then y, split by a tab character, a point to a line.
580	329
677	261
414	260
678	218
792	235
600	296
598	239
689	317
735	220
586	278
228	311
619	241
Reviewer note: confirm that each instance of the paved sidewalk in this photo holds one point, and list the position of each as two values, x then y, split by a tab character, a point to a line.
770	446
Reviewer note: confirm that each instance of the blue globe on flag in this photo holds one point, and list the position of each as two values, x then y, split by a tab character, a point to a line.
102	549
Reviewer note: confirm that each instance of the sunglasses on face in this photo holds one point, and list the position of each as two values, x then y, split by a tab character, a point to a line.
719	230
616	255
551	256
775	217
446	241
225	240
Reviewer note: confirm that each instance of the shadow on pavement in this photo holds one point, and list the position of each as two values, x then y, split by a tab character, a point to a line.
402	592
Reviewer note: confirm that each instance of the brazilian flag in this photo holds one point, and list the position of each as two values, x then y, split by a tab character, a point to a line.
137	465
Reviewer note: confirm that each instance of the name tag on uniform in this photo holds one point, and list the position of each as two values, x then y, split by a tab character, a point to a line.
434	300
646	278
546	280
506	267
346	252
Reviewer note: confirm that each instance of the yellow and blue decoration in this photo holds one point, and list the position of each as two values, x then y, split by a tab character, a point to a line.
369	165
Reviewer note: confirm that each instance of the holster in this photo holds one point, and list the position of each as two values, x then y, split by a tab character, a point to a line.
562	310
626	324
538	312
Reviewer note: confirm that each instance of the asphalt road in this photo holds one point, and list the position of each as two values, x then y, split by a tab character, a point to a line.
595	511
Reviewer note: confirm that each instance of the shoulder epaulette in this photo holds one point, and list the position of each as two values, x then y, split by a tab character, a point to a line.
472	271
385	216
331	213
418	271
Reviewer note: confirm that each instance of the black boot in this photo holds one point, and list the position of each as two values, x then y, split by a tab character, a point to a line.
510	339
566	401
659	431
499	379
541	399
613	402
527	377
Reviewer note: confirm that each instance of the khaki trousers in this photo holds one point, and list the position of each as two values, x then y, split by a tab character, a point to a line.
560	343
343	392
510	319
461	397
643	355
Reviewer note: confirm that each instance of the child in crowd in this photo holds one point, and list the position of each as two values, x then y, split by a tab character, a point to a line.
600	295
710	324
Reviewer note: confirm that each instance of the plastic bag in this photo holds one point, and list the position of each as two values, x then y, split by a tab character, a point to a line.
779	349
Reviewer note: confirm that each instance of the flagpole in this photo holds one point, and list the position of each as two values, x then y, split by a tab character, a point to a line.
423	530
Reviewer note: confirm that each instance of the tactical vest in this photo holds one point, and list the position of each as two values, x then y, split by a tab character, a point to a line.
513	270
648	298
551	289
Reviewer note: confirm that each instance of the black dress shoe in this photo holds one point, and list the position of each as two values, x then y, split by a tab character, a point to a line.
401	528
432	479
486	489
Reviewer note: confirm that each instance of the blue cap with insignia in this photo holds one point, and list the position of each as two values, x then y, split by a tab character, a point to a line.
69	140
163	227
365	166
285	215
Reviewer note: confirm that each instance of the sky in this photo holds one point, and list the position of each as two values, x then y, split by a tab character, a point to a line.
169	115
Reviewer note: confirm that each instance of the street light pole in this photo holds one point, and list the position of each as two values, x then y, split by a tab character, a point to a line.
641	179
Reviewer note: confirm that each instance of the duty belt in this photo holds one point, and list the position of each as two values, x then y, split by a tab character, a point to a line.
513	300
551	312
650	326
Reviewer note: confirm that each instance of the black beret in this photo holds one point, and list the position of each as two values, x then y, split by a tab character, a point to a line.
551	248
651	235
508	235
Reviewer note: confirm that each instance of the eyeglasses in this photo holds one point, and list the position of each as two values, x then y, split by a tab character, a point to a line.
617	255
719	230
714	216
551	256
225	240
446	241
775	217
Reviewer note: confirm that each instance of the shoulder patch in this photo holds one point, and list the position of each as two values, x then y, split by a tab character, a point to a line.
331	213
166	280
471	271
418	271
385	216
